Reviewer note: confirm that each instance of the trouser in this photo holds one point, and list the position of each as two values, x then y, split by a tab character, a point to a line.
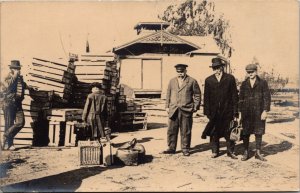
178	120
258	141
215	143
14	122
97	127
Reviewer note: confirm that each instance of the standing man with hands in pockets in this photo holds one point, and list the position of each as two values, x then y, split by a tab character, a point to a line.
183	99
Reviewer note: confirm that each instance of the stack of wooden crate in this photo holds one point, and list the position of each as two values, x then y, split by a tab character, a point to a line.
52	76
61	126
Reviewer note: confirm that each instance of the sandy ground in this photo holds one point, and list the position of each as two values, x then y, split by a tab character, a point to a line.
37	169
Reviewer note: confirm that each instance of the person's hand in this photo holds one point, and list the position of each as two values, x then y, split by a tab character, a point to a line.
15	74
167	109
264	115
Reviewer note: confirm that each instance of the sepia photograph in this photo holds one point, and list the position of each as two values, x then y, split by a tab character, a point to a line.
149	96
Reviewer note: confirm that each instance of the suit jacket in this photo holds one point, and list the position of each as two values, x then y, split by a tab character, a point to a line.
220	97
10	87
253	101
186	98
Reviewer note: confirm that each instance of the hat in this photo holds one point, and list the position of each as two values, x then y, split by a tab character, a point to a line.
15	64
181	66
251	67
96	84
217	62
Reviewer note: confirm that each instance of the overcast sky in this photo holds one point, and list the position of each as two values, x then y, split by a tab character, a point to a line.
268	30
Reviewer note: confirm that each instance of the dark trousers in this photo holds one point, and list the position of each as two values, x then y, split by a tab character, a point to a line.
215	143
258	141
14	122
178	120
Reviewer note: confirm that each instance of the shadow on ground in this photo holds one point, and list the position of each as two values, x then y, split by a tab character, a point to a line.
4	167
266	149
63	182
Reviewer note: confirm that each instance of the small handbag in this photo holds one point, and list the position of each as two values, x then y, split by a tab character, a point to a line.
236	132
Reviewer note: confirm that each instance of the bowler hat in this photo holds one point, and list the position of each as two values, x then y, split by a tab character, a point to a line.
251	67
217	62
15	64
181	66
96	84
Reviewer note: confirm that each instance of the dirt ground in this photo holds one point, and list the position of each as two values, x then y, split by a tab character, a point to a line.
40	169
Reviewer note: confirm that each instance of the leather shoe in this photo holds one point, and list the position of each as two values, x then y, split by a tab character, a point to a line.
203	136
12	148
186	153
214	155
232	156
245	156
260	157
169	151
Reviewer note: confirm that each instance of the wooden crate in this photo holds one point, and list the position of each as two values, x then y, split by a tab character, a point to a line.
90	153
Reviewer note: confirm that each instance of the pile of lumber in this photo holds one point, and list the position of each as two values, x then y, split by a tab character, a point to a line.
53	76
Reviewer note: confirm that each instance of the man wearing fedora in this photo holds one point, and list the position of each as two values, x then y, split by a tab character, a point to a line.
95	111
254	103
220	107
182	100
13	89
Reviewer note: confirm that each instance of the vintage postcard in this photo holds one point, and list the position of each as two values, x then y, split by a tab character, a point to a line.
189	95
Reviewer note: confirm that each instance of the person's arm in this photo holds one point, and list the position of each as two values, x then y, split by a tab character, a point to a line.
206	99
267	100
86	109
197	96
168	97
9	81
235	98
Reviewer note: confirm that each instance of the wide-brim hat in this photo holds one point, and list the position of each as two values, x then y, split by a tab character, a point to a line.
181	66
216	62
96	84
15	64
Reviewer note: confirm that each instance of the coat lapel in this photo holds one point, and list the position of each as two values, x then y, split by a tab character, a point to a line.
256	82
186	80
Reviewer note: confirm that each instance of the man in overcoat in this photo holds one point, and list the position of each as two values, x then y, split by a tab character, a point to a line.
13	89
95	111
220	107
254	103
182	100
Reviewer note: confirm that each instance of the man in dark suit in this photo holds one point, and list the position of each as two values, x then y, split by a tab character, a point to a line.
13	89
254	103
183	99
220	107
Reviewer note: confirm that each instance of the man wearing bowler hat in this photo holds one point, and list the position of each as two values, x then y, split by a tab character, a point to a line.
254	103
220	107
13	89
183	99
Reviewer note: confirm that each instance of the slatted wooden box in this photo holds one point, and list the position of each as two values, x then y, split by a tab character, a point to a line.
90	153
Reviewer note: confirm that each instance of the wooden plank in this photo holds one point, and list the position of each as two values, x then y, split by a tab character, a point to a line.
90	70
51	77
49	65
21	135
89	63
47	69
91	76
44	86
45	81
52	62
19	142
